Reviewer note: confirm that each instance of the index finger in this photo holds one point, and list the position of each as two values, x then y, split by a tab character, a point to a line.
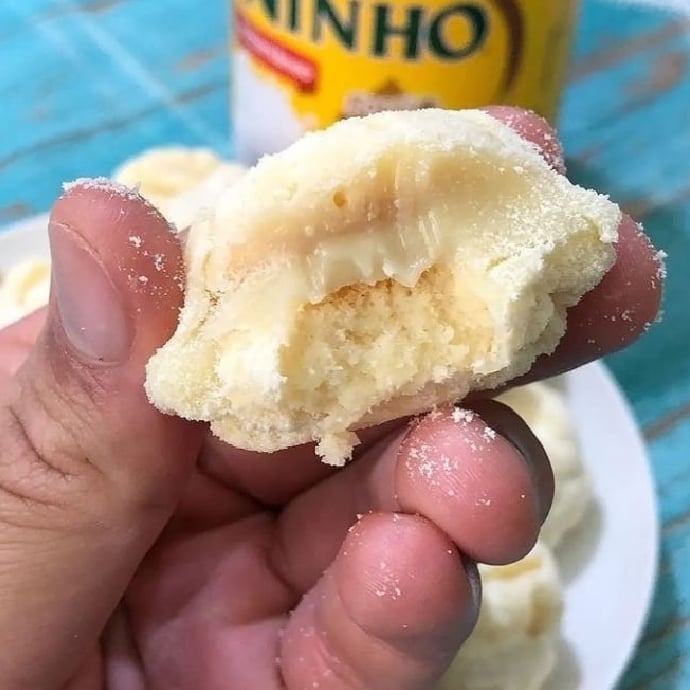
616	313
624	304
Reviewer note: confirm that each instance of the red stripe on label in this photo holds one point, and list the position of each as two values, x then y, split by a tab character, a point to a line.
299	69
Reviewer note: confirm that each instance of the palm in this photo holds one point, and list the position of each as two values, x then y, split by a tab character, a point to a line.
212	605
209	604
206	609
256	582
165	614
208	592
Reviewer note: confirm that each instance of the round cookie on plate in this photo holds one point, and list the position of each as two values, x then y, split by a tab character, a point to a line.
164	172
515	643
545	410
180	181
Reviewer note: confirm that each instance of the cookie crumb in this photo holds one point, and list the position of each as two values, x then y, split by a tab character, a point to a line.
462	415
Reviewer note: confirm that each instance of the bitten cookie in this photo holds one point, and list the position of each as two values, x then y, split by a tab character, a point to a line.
373	270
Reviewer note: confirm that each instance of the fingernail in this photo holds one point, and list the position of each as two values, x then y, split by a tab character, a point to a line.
514	429
91	309
475	581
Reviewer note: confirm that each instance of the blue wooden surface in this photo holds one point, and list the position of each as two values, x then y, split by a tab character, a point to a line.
85	83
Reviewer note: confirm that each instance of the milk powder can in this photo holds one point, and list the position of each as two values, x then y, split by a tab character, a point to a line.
304	64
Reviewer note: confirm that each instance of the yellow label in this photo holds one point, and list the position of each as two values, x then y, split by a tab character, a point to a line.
338	58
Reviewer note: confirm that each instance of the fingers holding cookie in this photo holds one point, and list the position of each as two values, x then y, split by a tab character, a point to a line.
480	477
625	303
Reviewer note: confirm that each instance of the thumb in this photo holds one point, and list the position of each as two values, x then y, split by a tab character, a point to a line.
89	471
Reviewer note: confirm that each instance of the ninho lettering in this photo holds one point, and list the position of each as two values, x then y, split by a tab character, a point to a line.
409	32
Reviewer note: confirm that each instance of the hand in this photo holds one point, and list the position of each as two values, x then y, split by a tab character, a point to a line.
137	552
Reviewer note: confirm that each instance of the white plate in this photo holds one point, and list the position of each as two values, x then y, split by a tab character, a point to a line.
607	598
27	238
610	564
